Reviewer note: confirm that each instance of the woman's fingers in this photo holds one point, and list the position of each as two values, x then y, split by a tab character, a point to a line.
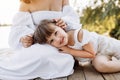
27	44
27	41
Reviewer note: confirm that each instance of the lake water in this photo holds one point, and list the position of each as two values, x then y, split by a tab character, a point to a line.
4	33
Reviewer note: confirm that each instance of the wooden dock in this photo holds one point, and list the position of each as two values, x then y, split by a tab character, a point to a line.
87	72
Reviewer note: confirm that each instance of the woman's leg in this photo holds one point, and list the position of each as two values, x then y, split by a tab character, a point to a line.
36	61
106	64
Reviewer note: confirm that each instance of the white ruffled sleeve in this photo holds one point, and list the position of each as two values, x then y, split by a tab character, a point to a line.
71	18
22	25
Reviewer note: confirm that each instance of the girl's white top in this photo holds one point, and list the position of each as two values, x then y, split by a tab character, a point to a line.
102	45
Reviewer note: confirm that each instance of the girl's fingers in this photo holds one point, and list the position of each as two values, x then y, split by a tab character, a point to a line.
62	25
56	20
60	22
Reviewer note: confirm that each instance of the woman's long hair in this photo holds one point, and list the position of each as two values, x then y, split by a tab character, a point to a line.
26	1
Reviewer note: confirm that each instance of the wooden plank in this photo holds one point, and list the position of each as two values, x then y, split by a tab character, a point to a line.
40	79
77	75
64	78
87	72
109	77
37	79
117	76
91	73
112	76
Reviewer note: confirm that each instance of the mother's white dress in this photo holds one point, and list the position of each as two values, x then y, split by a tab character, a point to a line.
38	60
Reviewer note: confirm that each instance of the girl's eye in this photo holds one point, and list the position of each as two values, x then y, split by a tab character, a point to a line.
56	33
51	41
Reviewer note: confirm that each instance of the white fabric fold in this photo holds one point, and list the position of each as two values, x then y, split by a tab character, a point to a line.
71	18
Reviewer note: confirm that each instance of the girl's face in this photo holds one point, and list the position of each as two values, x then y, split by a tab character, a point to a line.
58	38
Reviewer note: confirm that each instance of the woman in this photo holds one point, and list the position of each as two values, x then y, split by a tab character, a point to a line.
31	61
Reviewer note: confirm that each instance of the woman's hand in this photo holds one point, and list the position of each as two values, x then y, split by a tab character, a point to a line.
27	41
60	23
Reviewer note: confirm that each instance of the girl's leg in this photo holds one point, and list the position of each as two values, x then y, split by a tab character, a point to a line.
106	64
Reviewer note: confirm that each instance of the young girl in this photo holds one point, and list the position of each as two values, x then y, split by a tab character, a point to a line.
29	60
79	43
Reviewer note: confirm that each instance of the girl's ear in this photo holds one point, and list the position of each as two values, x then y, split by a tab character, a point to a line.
26	1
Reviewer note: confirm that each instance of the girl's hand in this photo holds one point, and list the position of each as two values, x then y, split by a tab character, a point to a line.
60	23
27	41
65	49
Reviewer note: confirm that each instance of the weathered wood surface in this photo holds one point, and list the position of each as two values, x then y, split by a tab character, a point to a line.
87	72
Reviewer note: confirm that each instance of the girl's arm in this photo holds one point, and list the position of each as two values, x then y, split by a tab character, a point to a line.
89	48
78	53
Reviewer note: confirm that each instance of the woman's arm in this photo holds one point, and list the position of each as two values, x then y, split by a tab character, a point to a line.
65	2
22	26
70	16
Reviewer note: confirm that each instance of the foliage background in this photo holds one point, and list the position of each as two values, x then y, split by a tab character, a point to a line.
103	18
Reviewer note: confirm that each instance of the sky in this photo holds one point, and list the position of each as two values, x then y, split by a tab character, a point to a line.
9	7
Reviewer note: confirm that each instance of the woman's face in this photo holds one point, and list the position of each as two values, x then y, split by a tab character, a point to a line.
58	38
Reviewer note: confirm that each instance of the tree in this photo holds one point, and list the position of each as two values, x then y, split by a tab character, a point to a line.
103	18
